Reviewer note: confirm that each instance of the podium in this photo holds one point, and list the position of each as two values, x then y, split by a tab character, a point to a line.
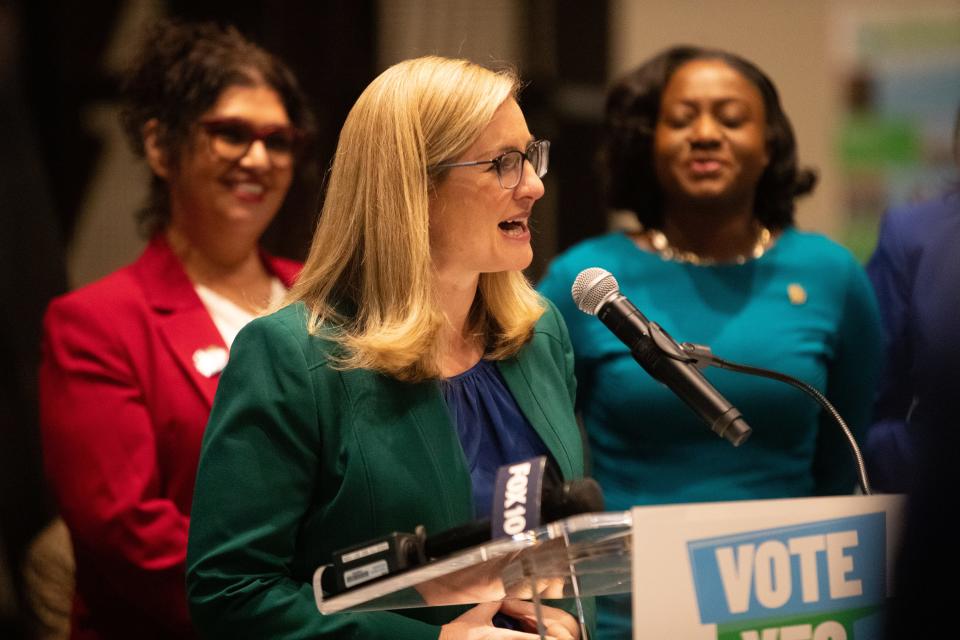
803	568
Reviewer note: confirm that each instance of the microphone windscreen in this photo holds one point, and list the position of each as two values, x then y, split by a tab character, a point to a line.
579	496
584	496
591	287
462	537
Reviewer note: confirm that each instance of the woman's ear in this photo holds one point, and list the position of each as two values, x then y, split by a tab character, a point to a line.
155	153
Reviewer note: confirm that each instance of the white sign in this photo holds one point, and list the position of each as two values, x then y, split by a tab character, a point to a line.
798	569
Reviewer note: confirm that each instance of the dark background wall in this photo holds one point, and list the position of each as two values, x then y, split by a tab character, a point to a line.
330	45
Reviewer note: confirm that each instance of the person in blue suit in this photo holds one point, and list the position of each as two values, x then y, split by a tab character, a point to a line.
916	275
912	445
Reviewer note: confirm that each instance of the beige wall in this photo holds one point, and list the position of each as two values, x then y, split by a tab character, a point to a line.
799	44
486	31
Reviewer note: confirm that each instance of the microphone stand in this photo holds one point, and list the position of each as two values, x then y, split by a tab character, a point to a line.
701	357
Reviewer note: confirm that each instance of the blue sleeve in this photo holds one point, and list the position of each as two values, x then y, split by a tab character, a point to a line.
889	269
851	380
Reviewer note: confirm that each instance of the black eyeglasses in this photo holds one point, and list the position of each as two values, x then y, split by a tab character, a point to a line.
509	165
231	139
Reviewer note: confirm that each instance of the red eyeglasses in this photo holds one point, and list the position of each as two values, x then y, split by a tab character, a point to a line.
231	139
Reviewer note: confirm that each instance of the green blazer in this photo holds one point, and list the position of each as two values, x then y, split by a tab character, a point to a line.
299	460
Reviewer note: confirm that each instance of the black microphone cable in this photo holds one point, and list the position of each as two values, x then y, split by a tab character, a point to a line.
702	356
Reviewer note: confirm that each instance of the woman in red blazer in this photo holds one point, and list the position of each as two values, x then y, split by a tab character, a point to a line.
131	362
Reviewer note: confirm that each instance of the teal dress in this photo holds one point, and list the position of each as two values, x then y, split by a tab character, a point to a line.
805	308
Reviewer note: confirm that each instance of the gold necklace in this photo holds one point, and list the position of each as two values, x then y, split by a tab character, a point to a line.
667	251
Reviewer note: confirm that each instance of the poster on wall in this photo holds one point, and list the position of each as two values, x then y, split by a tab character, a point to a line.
898	68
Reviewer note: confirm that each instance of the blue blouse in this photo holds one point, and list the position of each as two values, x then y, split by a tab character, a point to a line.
491	428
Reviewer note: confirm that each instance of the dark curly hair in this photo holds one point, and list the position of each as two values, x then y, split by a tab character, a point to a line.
626	153
179	74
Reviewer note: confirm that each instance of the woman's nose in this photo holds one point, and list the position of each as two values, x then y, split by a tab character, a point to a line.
705	130
530	186
256	156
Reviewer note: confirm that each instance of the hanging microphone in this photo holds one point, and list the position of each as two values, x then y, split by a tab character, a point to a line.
526	495
539	490
596	292
559	501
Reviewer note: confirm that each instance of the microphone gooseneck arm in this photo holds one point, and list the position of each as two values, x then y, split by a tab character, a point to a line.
702	357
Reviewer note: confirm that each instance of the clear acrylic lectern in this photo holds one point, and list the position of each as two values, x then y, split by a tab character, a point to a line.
580	556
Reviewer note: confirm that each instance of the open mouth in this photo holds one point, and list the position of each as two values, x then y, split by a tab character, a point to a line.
250	188
705	166
248	191
514	228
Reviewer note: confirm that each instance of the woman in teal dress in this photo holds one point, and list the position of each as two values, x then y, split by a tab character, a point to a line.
698	147
350	413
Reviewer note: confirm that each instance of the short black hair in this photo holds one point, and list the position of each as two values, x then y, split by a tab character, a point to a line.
181	71
626	152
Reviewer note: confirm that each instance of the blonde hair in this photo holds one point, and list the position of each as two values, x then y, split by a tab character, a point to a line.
368	279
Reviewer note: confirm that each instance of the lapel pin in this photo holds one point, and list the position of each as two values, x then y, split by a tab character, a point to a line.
210	361
796	293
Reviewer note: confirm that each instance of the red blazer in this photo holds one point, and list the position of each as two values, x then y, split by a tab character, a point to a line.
125	393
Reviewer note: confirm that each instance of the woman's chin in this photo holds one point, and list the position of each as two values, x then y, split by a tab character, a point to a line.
251	215
522	261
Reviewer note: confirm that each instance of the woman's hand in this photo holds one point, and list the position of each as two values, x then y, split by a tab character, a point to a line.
477	623
481	582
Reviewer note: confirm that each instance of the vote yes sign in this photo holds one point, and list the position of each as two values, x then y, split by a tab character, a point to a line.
783	573
793	569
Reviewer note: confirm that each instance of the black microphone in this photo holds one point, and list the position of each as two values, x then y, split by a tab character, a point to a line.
596	292
559	501
396	552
